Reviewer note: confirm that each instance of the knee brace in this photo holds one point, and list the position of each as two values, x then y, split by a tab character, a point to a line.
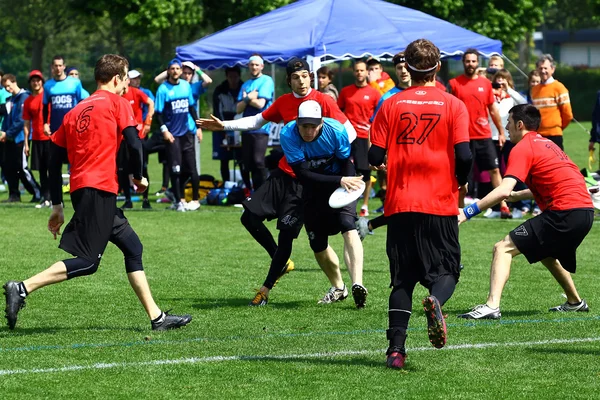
318	243
80	267
176	169
347	223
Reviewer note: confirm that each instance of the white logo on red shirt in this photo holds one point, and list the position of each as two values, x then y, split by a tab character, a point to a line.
366	97
480	89
421	92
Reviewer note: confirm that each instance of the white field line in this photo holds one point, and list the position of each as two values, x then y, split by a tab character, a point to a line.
203	360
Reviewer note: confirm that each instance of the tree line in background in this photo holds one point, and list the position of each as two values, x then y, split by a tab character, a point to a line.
147	31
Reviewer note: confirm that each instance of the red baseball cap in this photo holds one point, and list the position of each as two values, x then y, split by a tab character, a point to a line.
37	73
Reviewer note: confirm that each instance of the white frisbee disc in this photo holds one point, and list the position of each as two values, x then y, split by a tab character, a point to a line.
341	197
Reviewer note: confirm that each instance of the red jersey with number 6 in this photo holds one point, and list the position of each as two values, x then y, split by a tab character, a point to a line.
552	177
419	128
92	132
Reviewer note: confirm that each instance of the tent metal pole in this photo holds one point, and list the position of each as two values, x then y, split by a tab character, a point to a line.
273	76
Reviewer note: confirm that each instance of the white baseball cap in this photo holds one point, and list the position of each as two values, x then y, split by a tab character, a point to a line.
310	112
134	74
189	64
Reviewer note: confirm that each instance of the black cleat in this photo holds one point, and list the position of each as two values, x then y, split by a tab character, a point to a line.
127	205
146	205
171	321
359	292
14	302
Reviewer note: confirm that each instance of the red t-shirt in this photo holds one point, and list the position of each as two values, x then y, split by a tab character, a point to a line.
477	95
92	132
32	111
419	128
285	109
552	177
359	103
137	99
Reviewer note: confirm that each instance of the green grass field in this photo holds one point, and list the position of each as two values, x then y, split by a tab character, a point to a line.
89	338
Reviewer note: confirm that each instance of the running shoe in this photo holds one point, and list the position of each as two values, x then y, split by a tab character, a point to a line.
260	299
192	205
436	324
334	294
14	302
359	292
396	356
482	311
171	321
568	307
146	205
505	213
289	266
364	212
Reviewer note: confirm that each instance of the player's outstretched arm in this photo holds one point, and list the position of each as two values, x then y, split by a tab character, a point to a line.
502	192
212	124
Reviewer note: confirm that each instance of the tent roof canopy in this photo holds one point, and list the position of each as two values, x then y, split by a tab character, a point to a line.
334	28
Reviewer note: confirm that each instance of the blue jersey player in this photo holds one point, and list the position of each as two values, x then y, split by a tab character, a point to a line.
61	95
173	107
318	150
255	97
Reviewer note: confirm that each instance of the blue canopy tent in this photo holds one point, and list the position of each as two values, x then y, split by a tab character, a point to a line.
332	30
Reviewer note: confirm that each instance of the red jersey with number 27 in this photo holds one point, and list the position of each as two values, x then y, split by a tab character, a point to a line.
552	177
419	128
285	109
92	132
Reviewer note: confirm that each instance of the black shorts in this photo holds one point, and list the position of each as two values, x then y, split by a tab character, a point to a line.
360	154
422	248
321	220
40	154
484	154
554	234
95	221
182	153
279	197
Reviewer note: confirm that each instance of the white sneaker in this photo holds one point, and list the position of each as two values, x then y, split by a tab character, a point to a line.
179	207
43	204
566	307
334	294
482	311
192	205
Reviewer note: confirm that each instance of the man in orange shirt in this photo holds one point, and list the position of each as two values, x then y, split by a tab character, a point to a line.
552	99
378	78
358	101
425	134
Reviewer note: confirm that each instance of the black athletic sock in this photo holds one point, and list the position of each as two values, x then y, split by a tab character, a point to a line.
400	306
22	290
280	258
443	288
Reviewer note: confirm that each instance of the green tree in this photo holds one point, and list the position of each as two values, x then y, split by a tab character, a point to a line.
221	14
507	20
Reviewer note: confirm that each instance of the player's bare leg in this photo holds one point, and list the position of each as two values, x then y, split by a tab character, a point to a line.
56	273
564	279
330	264
139	284
353	255
504	251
